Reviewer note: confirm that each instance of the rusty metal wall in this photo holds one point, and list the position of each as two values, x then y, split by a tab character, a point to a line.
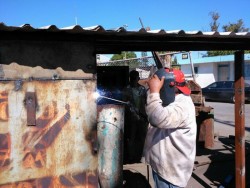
16	71
57	148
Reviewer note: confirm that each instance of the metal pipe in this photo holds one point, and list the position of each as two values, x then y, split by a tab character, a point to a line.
123	102
192	66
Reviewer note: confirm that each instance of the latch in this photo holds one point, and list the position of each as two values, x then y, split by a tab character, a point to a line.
30	103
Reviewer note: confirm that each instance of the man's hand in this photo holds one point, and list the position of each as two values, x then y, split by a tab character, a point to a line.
155	84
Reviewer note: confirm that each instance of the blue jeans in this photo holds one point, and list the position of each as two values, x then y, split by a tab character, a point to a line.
161	183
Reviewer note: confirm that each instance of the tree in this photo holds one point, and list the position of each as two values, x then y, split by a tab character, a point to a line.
235	27
123	55
230	27
174	62
214	25
127	57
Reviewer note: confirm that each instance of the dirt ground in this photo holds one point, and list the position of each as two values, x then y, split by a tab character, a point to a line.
213	168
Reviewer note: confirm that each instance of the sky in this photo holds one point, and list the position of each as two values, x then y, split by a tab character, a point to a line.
187	15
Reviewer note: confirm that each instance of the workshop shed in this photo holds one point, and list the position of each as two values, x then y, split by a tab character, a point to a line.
48	117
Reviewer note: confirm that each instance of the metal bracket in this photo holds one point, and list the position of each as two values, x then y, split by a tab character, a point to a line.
30	102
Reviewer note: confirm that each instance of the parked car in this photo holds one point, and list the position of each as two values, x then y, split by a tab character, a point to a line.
223	91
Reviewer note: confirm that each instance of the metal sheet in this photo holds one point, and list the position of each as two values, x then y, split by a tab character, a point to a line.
61	150
16	71
110	135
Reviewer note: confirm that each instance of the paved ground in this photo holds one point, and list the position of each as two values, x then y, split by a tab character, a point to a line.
213	167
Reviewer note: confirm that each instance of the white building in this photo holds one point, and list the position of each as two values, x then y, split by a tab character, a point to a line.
102	58
211	69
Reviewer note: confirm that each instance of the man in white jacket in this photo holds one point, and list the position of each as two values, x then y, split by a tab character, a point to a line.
170	145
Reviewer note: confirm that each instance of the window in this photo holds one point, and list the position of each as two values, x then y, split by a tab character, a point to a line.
247	71
229	85
219	84
196	70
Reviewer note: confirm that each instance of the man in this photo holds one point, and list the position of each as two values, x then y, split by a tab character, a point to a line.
170	145
135	118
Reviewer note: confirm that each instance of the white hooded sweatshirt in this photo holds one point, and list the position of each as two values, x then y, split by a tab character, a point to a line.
170	145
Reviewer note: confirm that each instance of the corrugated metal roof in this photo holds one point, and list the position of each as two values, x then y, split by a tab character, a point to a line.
119	39
73	28
74	47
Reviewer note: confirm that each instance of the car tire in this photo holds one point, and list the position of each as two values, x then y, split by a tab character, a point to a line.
233	99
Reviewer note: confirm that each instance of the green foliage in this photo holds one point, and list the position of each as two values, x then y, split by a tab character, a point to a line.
162	52
223	52
174	62
235	27
123	55
116	57
230	27
219	53
126	59
214	25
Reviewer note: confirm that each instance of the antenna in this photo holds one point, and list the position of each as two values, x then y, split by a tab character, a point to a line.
141	22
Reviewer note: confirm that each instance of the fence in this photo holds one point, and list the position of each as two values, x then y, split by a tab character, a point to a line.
143	65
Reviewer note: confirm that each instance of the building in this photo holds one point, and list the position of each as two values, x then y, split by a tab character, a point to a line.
211	69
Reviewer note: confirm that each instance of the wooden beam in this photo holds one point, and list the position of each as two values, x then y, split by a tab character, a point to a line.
240	169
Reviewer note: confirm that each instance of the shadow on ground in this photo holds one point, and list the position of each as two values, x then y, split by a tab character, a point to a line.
214	167
221	164
134	180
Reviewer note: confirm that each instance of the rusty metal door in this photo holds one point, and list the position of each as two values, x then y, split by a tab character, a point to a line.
48	133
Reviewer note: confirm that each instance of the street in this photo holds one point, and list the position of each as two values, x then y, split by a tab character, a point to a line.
224	119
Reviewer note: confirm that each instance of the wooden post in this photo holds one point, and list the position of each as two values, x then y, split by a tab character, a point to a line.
239	108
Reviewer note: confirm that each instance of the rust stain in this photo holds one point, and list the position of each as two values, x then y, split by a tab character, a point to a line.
34	159
29	160
4	150
42	122
91	138
39	160
49	113
87	178
24	185
53	132
44	182
79	180
31	105
4	112
38	140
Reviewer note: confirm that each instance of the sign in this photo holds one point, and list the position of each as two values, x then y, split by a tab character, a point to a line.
184	56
